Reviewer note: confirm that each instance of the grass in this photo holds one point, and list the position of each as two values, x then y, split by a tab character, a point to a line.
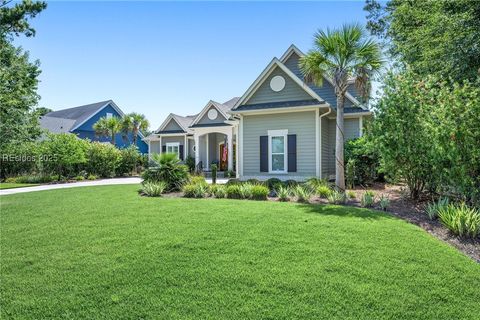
7	185
107	253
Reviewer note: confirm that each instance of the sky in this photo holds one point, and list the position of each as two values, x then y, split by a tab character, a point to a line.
161	57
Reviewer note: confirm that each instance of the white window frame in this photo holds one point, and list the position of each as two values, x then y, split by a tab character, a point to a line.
272	134
109	115
172	145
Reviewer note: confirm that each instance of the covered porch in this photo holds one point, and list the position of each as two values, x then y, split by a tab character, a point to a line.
215	145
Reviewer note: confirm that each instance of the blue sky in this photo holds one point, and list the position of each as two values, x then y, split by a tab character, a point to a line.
162	57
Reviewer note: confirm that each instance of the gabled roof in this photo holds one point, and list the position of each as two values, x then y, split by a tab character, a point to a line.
266	72
293	49
183	122
80	114
221	108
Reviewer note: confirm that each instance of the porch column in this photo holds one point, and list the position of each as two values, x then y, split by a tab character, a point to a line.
197	148
207	165
160	142
230	149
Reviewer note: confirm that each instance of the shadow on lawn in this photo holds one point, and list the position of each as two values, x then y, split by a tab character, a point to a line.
344	211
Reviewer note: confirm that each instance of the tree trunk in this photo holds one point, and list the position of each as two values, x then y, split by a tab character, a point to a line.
135	135
113	138
339	166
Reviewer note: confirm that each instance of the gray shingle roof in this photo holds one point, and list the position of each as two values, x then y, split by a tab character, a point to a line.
56	125
78	114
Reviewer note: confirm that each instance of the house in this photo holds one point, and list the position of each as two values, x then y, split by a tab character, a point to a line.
80	121
280	127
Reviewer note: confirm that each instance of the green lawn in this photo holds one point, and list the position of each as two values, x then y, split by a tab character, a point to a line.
6	185
107	253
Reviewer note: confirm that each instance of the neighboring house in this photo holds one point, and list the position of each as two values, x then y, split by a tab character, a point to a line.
80	121
280	127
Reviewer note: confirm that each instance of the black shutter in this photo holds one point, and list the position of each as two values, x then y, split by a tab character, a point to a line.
181	152
263	153
164	149
292	152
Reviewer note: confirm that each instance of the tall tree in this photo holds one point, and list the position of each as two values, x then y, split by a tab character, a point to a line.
438	38
18	76
134	123
108	127
342	54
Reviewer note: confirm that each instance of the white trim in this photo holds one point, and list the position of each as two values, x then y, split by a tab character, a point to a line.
272	134
317	146
266	72
171	116
114	106
281	110
173	144
320	147
354	115
210	103
293	49
240	149
207	150
185	149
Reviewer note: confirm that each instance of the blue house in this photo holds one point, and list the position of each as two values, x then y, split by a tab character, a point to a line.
80	121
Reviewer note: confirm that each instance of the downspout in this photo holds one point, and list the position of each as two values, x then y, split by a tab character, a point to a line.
323	115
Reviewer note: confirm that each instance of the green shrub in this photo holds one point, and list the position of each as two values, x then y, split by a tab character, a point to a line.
190	163
259	192
198	180
231	174
246	190
254	181
336	197
362	162
291	183
368	199
128	162
273	183
34	179
91	177
153	189
214	169
218	191
20	159
103	159
384	202
302	193
233	182
324	191
314	183
169	169
233	191
197	190
79	178
63	154
351	194
460	219
283	193
370	193
432	208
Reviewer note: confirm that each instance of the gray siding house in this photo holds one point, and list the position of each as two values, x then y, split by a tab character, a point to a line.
280	127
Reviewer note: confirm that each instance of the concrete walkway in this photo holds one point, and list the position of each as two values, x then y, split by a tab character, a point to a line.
104	182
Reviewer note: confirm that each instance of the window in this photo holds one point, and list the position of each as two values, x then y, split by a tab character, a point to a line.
109	115
277	151
174	147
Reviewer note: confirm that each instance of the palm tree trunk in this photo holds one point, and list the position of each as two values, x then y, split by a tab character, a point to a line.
339	144
113	138
135	134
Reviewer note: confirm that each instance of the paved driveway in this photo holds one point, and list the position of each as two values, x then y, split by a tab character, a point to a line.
104	182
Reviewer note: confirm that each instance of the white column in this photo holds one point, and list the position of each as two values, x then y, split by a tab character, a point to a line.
360	125
240	149
160	142
197	148
230	149
236	154
149	151
208	152
185	149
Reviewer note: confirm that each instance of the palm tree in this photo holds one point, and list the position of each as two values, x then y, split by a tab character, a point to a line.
340	55
108	127
134	123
